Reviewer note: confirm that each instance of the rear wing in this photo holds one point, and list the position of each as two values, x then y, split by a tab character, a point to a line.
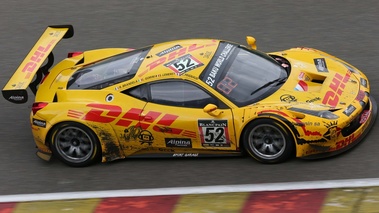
15	90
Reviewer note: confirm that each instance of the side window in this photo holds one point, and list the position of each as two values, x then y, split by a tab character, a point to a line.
139	92
179	93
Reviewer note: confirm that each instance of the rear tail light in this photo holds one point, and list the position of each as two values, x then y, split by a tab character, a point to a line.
73	54
37	106
44	77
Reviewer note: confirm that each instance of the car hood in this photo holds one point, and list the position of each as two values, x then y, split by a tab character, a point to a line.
318	80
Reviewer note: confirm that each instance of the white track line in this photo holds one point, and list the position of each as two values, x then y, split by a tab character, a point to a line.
352	183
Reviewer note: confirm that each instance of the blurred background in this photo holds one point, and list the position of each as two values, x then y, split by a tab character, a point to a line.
344	28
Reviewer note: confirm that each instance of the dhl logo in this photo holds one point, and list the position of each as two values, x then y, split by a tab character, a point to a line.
36	58
103	113
345	142
337	86
175	54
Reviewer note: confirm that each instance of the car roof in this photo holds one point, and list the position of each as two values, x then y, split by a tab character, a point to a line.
174	59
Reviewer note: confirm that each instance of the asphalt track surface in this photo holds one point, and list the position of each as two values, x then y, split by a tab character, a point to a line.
347	29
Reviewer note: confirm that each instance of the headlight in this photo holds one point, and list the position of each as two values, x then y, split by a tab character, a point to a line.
322	114
327	114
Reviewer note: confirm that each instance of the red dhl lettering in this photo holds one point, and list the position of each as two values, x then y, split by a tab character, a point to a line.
345	142
337	85
172	56
36	58
96	113
104	113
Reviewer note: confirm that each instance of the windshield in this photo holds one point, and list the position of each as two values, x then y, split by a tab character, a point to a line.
244	76
108	71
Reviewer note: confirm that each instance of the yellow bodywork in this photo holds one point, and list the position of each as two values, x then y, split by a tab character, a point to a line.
127	126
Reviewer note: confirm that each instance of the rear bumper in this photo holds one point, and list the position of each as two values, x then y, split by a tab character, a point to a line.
39	132
350	139
44	155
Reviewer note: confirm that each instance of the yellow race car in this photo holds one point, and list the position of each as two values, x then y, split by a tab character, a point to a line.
191	98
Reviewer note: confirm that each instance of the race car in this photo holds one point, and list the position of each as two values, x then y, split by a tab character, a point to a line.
190	98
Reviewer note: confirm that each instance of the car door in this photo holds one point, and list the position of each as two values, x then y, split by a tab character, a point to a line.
175	117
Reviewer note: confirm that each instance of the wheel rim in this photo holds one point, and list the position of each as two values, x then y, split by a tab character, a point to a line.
74	144
267	141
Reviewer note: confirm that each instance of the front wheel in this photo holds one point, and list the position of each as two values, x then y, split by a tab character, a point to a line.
268	141
75	144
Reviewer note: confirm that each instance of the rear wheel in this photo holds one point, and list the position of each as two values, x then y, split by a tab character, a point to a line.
268	141
75	144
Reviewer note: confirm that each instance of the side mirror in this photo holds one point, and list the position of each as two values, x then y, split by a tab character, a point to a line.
251	41
212	110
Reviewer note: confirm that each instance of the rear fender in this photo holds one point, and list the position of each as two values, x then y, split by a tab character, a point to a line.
111	149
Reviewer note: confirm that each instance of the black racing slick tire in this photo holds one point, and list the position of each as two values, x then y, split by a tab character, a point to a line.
75	144
268	141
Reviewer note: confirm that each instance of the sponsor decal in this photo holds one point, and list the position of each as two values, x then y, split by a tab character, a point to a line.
214	133
336	88
345	142
226	85
131	133
320	64
145	137
288	98
349	110
184	64
185	155
172	55
333	130
178	142
36	58
212	73
364	116
191	76
361	95
19	85
363	82
105	113
159	75
309	123
169	50
301	86
16	98
165	150
207	54
39	123
313	100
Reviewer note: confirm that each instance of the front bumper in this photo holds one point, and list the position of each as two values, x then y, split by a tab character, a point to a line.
350	140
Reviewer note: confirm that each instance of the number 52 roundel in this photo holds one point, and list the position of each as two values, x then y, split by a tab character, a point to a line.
214	133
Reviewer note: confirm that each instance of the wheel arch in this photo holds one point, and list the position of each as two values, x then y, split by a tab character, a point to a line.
286	123
110	146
